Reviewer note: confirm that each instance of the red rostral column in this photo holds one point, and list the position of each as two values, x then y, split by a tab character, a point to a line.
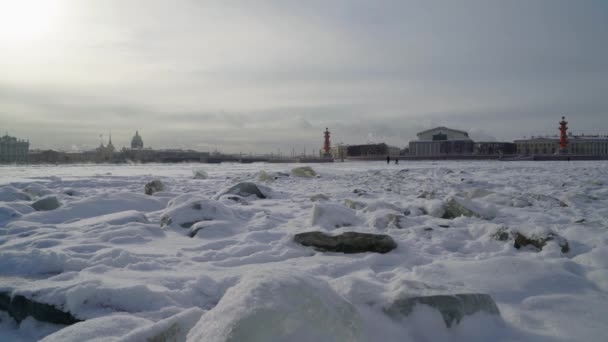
563	136
326	145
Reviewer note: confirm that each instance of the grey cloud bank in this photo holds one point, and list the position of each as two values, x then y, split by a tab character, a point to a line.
257	76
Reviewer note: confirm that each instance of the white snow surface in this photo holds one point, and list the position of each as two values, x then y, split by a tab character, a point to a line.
104	257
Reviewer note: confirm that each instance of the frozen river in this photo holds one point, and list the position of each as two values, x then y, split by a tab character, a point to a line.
124	263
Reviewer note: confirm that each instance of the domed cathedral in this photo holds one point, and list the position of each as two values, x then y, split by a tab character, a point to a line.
137	142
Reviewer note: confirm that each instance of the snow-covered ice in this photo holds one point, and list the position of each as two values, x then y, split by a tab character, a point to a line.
194	262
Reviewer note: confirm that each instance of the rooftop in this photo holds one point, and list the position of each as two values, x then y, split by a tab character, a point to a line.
443	128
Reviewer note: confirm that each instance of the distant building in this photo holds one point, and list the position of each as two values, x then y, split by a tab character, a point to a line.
137	142
441	141
442	133
48	157
589	145
592	145
565	143
148	155
105	153
372	151
494	148
13	150
143	155
339	151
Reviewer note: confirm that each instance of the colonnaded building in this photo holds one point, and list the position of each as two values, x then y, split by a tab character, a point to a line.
13	150
591	145
440	141
443	142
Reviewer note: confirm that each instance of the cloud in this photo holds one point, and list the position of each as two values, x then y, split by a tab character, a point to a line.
254	76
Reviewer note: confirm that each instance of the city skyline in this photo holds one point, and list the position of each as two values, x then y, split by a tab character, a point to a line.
124	143
254	77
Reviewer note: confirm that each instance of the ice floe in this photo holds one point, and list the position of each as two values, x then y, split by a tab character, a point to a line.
440	251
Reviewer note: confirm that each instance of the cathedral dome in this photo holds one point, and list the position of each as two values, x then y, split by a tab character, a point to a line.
137	142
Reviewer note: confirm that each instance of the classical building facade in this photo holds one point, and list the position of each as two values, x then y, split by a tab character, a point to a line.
13	150
442	133
591	145
441	141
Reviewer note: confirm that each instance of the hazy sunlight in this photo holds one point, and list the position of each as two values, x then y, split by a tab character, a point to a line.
24	21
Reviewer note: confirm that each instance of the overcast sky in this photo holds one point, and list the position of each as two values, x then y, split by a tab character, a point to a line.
256	76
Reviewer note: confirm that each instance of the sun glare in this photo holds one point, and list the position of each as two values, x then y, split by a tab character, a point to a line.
23	21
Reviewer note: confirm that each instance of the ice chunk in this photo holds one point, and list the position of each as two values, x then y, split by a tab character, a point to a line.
303	171
174	328
46	203
183	198
279	305
478	193
547	201
187	214
319	198
456	207
12	194
37	190
21	207
20	307
212	229
72	192
102	329
501	234
360	192
349	242
387	219
434	207
329	215
540	241
453	307
265	176
154	186
97	205
270	176
200	174
119	218
246	189
356	205
7	213
380	205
